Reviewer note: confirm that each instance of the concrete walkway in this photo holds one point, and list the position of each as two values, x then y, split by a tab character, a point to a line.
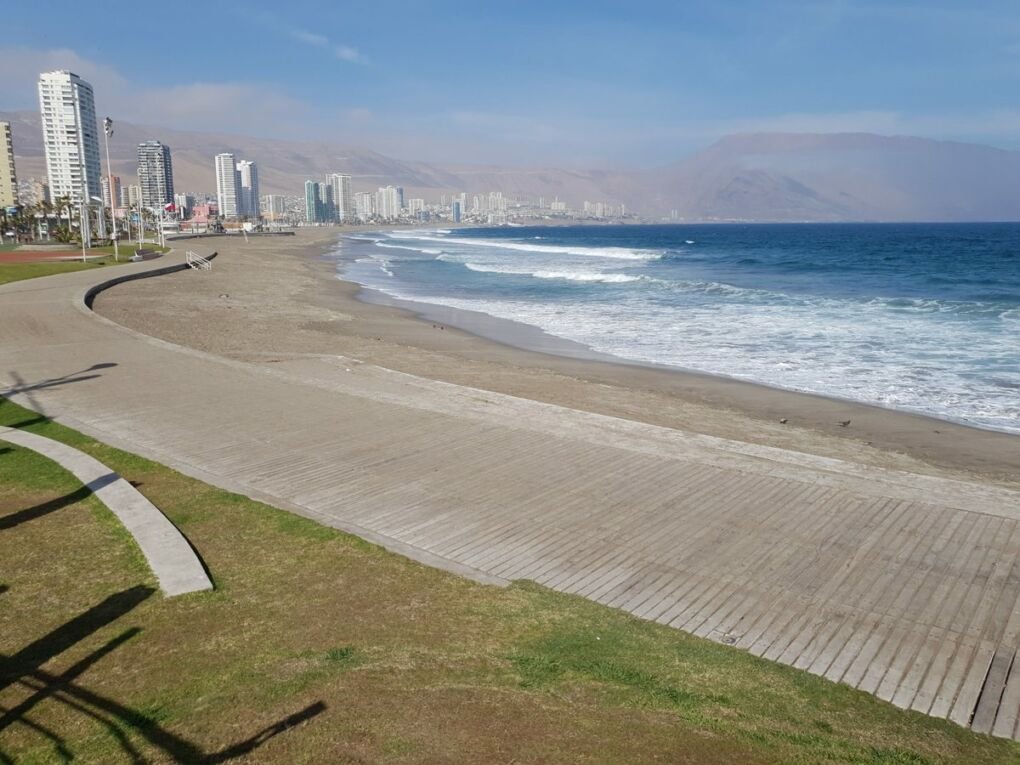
168	553
901	585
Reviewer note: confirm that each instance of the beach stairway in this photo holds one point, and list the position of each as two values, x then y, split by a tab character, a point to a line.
196	261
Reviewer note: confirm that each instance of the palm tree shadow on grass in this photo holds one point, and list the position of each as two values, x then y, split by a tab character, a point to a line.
24	669
11	520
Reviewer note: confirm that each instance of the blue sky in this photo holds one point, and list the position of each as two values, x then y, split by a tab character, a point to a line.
571	83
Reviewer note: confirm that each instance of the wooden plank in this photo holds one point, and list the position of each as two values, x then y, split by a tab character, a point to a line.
1009	705
987	706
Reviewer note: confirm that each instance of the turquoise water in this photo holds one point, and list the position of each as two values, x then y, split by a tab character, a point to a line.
920	317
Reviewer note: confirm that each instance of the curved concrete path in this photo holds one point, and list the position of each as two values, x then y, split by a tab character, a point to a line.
168	553
902	585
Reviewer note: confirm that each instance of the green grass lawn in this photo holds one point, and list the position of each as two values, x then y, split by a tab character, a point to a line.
14	272
127	249
318	647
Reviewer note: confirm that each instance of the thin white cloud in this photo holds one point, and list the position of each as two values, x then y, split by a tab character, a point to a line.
207	106
21	67
347	53
460	135
340	51
309	38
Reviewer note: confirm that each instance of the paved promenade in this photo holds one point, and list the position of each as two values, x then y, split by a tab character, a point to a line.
901	585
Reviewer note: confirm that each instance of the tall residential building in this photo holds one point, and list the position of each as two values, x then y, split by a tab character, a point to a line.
228	186
456	209
274	206
155	174
32	191
111	199
184	203
343	198
130	196
248	203
8	177
388	202
328	212
313	202
364	205
70	139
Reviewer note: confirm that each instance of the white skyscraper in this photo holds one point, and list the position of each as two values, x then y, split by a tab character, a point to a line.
70	139
228	186
8	175
248	203
155	174
388	203
343	198
364	205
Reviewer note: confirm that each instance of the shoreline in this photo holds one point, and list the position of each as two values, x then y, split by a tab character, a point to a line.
528	337
295	303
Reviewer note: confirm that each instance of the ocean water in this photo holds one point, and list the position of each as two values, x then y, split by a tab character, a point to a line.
919	317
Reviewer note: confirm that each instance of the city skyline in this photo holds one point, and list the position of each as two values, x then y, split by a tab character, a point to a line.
506	84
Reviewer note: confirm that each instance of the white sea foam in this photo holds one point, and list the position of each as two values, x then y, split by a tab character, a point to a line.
574	276
425	250
613	253
952	359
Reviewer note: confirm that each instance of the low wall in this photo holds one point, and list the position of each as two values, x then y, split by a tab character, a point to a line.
90	294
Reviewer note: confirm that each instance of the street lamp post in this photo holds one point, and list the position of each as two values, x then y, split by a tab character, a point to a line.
81	230
108	131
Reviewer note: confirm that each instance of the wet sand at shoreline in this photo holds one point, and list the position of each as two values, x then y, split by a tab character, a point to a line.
276	297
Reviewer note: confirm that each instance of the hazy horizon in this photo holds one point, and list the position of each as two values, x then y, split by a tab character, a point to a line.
583	85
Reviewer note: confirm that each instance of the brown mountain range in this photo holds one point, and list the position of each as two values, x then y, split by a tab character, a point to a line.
750	177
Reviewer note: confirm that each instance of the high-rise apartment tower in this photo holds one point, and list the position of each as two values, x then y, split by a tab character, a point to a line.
248	203
155	174
8	176
228	186
70	139
343	197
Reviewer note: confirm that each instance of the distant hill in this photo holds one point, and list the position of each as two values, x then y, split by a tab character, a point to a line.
285	165
750	177
844	176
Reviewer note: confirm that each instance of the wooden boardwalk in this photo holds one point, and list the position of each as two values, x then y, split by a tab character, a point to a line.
902	585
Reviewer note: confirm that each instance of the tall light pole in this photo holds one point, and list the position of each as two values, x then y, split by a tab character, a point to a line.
108	131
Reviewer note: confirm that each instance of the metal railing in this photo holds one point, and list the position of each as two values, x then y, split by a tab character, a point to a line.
195	260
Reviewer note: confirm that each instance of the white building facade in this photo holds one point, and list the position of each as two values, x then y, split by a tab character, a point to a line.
155	174
8	175
343	197
248	202
228	186
70	138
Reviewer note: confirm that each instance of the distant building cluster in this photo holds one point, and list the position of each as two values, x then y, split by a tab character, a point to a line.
388	204
329	201
71	141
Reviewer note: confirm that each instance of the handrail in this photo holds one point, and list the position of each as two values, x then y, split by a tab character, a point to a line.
195	260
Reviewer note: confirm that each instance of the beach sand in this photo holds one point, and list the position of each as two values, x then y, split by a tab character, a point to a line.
275	297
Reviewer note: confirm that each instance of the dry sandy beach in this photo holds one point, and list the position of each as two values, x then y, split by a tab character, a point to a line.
276	297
